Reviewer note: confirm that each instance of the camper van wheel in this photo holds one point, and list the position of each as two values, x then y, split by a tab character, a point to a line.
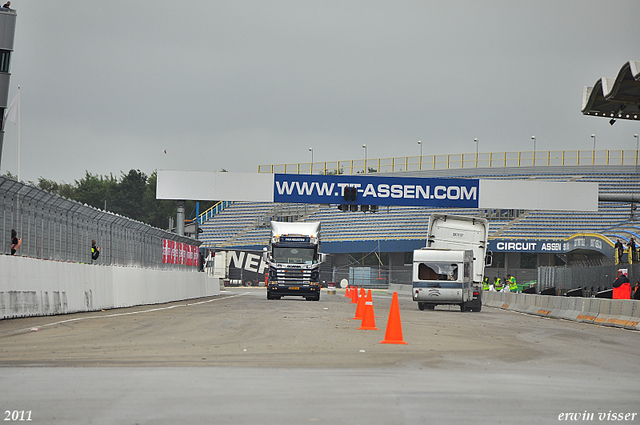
421	306
462	308
269	296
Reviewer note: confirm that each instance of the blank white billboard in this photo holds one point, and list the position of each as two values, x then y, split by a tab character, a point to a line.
538	195
213	185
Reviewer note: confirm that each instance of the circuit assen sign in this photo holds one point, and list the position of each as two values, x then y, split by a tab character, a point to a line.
590	242
524	245
371	190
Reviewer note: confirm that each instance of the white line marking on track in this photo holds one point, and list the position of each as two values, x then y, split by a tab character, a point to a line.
77	319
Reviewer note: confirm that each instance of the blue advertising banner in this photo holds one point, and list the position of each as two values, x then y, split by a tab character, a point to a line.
376	190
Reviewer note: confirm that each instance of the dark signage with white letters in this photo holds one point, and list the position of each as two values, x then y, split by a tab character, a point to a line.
523	245
374	190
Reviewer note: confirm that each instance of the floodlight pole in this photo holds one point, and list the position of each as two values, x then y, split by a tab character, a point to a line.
476	142
311	166
365	157
534	149
420	160
593	155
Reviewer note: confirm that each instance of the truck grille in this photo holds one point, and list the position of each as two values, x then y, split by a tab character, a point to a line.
287	276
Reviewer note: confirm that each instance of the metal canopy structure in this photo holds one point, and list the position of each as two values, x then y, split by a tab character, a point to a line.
615	98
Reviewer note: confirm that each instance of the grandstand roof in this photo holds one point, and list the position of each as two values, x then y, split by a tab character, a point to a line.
616	98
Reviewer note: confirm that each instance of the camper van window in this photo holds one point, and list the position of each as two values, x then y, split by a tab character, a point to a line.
426	273
454	272
437	271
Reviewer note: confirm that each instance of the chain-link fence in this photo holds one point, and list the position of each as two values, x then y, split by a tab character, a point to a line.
592	279
364	276
55	228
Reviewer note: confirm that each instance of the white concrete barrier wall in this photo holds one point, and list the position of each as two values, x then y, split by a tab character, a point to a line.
601	311
34	287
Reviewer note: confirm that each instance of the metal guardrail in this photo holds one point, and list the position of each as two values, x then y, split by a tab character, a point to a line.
457	161
56	228
217	208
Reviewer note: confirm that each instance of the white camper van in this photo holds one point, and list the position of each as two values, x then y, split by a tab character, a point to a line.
450	269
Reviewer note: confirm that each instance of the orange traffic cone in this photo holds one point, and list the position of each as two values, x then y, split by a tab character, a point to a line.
354	294
370	299
360	306
347	292
393	334
368	319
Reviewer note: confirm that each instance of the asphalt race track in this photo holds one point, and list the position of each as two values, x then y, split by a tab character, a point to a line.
240	359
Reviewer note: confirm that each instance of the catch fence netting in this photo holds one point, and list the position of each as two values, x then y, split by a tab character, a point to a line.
56	228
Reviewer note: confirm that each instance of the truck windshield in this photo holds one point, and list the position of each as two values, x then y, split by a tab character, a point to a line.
437	271
294	255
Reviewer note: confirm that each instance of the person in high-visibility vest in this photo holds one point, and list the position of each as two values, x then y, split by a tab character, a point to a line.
497	284
485	284
513	287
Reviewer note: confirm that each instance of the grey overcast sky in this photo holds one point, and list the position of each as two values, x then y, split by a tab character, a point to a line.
107	86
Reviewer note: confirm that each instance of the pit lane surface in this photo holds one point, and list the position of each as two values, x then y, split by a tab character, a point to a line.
239	358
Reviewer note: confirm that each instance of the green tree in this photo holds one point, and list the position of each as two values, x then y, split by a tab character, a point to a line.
334	172
95	190
133	196
128	198
62	189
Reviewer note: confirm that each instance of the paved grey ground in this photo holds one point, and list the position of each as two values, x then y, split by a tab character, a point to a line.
241	359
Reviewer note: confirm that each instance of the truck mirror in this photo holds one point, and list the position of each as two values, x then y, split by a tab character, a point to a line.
488	259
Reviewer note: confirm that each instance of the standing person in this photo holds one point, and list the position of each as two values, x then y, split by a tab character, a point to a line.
201	263
16	242
513	287
636	294
485	284
497	284
619	249
621	286
632	250
95	250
